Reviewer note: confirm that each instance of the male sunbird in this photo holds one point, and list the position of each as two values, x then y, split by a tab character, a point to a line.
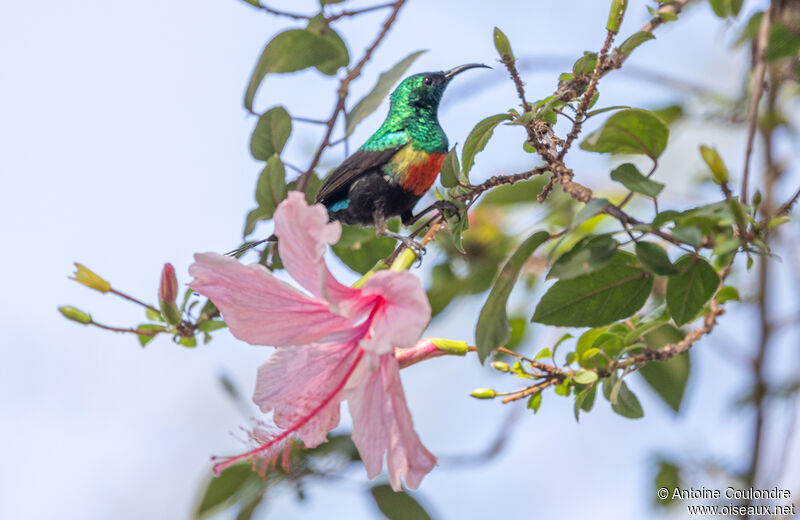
389	173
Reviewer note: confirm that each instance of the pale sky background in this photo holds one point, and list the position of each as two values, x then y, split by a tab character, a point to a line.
124	145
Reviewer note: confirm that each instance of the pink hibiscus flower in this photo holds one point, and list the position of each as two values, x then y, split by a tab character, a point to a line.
336	343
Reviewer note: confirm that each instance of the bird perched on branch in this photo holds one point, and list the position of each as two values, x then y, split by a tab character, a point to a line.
389	173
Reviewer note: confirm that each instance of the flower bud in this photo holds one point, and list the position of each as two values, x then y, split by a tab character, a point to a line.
168	290
501	366
71	313
451	346
90	279
483	393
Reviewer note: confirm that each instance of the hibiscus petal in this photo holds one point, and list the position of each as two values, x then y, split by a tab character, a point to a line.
305	232
259	308
382	424
403	315
295	382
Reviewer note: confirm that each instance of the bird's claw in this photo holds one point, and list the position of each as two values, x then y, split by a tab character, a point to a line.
417	248
445	206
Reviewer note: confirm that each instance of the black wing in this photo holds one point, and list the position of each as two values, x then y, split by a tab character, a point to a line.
358	164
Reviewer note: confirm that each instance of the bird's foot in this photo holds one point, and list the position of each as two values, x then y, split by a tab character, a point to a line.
409	242
445	206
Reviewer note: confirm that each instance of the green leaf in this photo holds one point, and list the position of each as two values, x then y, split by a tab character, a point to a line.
585	377
654	258
397	505
503	46
271	133
691	235
670	113
588	254
727	293
144	339
584	400
153	315
535	402
271	186
688	291
319	26
493	328
721	8
604	296
627	404
254	216
667	478
783	42
585	63
222	489
478	138
451	170
634	41
633	131
372	101
615	15
211	325
667	378
631	178
289	51
525	191
593	113
359	248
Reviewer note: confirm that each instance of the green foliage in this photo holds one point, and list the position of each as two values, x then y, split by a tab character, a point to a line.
784	42
614	292
270	191
615	15
715	163
667	378
667	477
222	491
654	258
397	506
451	173
622	400
369	103
359	248
634	41
493	328
631	178
477	139
633	131
503	46
290	51
689	290
590	253
271	133
341	57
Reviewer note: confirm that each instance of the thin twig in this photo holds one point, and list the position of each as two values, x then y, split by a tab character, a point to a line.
755	97
580	113
132	299
356	12
278	12
342	92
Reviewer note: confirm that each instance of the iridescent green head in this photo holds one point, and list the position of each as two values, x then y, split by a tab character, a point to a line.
421	93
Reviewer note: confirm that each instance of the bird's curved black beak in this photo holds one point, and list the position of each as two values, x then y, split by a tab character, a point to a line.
448	75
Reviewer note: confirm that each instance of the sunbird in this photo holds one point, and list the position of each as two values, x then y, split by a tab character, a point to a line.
398	164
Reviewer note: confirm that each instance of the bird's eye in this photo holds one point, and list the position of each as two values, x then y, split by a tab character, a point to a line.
428	81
